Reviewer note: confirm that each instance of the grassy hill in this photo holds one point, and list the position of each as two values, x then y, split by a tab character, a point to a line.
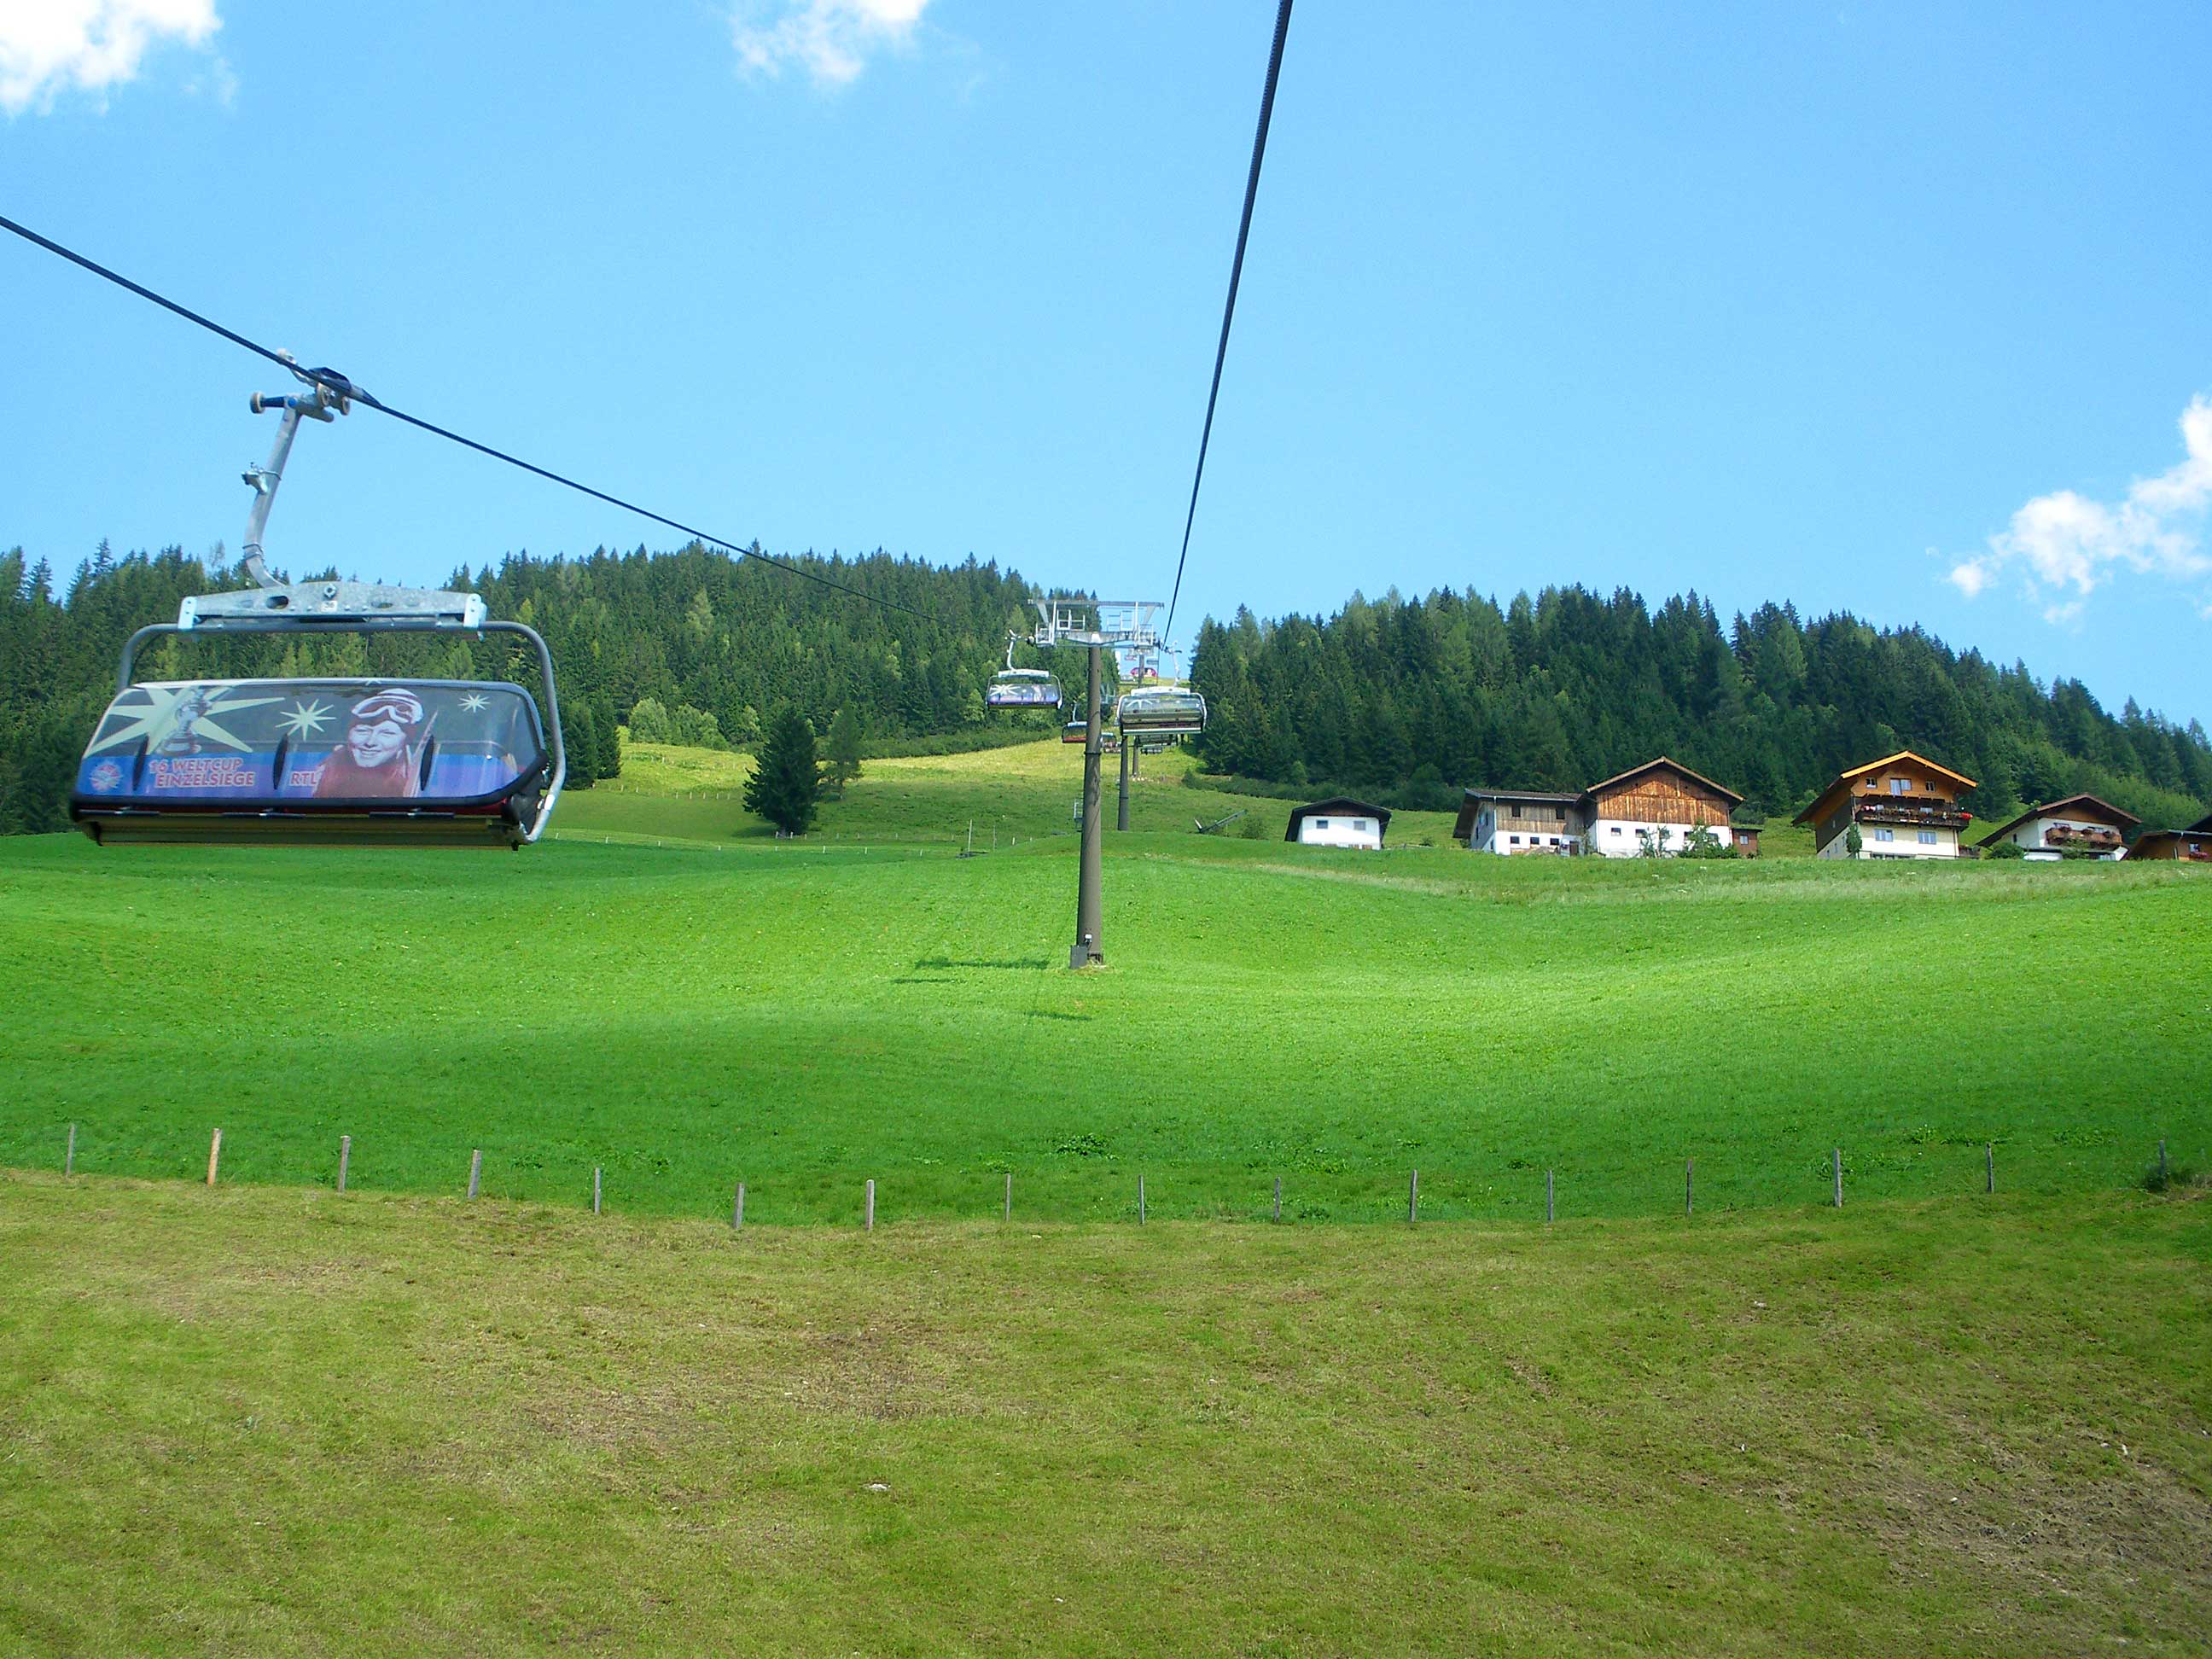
1020	793
257	1421
806	1015
267	1419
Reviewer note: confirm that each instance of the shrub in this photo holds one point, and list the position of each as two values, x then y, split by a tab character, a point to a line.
2004	849
2158	1178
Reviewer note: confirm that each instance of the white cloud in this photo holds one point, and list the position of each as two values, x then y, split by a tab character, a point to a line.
47	45
830	40
2067	543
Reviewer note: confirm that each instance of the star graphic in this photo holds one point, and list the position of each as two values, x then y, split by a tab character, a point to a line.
475	702
157	717
304	720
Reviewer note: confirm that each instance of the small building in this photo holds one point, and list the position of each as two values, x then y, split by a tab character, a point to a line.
1747	840
1905	806
2191	846
1655	808
1340	821
2080	824
1521	821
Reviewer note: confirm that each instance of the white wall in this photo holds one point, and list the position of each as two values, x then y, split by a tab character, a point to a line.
1907	843
1335	831
1623	838
1488	836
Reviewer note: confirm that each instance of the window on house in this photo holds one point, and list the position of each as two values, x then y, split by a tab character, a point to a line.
1927	837
1360	823
1555	840
1515	840
1885	835
1901	786
1616	830
1321	823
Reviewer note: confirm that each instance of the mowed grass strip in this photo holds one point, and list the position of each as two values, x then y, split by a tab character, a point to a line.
259	1421
804	1021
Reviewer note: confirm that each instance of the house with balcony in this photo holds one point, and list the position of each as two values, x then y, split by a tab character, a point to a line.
1903	807
2079	825
1521	821
2191	846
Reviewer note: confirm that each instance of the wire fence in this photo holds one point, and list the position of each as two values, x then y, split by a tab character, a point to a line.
1136	1193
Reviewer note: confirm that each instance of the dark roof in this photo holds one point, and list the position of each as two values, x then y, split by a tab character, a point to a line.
2058	808
1676	765
1520	794
2201	827
1331	807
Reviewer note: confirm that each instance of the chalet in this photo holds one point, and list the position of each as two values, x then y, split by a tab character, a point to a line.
2080	824
1340	821
1521	821
1903	807
1655	807
2191	846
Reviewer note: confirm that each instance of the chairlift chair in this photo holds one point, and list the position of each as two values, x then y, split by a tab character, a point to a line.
322	760
1165	711
1021	688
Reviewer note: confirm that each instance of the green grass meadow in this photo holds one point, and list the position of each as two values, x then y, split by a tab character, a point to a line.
863	1004
276	1422
269	1418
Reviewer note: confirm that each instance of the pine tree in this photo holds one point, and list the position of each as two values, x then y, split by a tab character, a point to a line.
786	785
844	762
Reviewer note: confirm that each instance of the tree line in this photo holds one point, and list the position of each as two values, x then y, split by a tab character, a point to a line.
1409	698
1415	698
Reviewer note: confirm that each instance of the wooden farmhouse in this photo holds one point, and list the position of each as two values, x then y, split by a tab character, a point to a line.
1340	821
1655	807
2080	824
1903	807
2191	846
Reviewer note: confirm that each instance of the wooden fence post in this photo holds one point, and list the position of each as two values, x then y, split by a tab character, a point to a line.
68	1152
1413	1199
1141	1201
345	1157
1839	1177
738	1209
215	1155
595	1189
1990	1154
1007	1214
1550	1210
871	1223
1689	1186
1279	1198
476	1171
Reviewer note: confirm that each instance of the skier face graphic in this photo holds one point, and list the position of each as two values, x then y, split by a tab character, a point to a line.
381	726
375	743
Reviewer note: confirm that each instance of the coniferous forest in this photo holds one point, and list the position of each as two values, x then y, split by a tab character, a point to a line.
1409	699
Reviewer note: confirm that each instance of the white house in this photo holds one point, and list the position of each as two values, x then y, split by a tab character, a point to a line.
2081	824
1520	821
1339	821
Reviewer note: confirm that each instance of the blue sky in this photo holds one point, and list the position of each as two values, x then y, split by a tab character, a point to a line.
1886	308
